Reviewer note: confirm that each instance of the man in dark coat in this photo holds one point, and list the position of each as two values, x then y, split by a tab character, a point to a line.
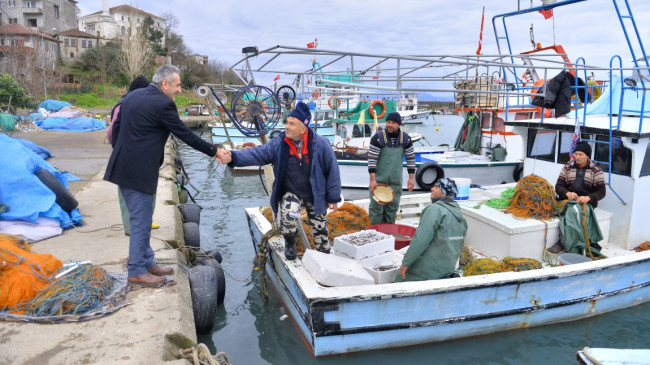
146	118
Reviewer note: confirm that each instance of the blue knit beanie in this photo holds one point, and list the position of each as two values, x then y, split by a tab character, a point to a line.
302	113
448	186
395	117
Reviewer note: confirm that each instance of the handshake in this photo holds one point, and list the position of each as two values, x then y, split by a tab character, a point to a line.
223	155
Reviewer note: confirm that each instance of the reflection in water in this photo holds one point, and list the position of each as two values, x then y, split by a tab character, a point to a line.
251	332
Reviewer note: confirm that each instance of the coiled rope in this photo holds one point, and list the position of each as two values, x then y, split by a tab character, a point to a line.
201	355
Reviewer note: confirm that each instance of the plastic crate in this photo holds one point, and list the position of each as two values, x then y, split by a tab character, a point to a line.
384	267
363	244
400	229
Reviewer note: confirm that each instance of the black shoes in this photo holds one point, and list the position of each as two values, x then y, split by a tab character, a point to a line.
290	248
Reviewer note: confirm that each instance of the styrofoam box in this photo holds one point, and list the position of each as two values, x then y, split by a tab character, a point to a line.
382	243
330	270
388	258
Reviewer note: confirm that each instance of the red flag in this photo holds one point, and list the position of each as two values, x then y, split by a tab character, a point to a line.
276	78
547	13
480	37
311	45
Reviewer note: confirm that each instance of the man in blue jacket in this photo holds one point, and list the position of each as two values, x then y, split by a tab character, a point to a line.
145	120
306	175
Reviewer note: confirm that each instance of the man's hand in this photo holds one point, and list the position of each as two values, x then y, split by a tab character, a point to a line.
572	196
333	206
402	271
373	183
410	184
583	199
223	155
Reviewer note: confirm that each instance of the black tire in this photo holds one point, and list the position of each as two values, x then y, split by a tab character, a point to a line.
517	172
180	179
64	199
274	133
203	288
216	254
414	116
425	177
191	234
191	213
221	277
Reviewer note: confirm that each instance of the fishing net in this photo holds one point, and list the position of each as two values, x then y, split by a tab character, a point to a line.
465	256
348	218
534	198
504	201
30	290
481	266
519	264
643	247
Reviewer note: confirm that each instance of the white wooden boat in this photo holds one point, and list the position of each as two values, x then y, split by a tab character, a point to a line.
606	356
343	319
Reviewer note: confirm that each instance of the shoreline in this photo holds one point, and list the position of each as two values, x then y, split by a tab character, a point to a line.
156	323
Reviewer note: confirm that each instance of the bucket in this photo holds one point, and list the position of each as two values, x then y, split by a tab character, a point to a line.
463	185
571	258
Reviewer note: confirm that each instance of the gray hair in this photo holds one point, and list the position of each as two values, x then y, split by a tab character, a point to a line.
165	72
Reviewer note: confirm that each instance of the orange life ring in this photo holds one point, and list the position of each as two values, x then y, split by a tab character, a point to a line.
536	86
333	99
316	94
371	109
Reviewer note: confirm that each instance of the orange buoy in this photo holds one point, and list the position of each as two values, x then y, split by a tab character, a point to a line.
334	100
371	109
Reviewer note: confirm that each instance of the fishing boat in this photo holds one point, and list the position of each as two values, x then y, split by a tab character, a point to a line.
343	319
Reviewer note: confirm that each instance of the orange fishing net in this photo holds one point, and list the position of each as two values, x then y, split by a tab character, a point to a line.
534	198
643	247
23	273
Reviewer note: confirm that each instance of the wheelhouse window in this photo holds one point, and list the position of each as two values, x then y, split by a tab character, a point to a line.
541	144
621	156
645	168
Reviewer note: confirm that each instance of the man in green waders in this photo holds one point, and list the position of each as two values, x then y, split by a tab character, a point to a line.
438	241
385	156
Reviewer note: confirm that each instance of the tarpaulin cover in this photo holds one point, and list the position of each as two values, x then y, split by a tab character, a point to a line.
53	105
7	122
43	152
78	124
27	197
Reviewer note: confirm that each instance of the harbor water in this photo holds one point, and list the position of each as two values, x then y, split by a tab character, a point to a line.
252	332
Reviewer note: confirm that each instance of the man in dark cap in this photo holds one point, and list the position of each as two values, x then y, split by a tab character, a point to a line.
387	148
582	181
438	241
306	175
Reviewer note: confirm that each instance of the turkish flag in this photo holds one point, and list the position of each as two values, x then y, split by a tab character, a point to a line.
276	78
311	45
547	13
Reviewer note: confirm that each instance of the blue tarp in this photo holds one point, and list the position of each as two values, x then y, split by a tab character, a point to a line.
43	152
77	124
631	102
27	197
53	105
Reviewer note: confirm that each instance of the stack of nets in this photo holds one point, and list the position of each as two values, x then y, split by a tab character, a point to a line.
489	266
643	247
29	287
534	198
348	218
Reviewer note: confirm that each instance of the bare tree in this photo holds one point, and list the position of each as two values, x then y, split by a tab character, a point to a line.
137	54
171	23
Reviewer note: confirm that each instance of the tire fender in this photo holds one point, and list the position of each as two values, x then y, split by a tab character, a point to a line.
221	277
203	289
64	198
191	234
423	175
518	171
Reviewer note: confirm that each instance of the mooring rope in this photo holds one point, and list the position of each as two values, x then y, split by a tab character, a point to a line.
263	248
201	355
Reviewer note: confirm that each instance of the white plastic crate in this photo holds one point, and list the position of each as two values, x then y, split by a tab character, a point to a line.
384	267
363	244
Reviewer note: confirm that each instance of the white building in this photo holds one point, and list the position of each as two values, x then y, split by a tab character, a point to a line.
116	22
46	16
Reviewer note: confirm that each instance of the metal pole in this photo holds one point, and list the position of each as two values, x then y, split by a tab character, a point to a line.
43	64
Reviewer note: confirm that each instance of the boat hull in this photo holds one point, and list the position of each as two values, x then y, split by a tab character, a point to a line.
340	320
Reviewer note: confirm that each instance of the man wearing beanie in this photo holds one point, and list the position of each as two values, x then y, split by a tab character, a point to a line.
387	147
306	176
580	181
438	241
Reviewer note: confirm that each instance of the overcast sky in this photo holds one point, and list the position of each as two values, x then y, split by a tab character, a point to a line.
221	28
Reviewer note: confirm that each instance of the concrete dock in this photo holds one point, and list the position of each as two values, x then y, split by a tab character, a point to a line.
156	323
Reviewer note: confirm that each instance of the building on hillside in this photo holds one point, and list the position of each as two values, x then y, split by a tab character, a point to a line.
74	43
16	38
118	21
200	59
46	16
